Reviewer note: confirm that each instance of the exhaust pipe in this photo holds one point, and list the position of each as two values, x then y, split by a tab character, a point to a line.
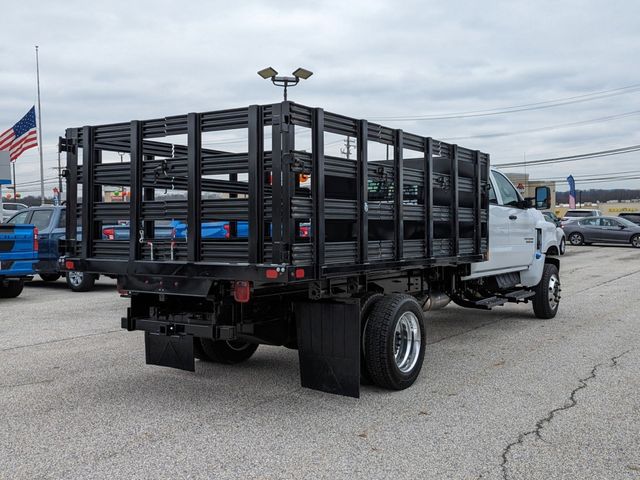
435	301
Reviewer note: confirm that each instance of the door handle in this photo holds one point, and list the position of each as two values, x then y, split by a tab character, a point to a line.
513	217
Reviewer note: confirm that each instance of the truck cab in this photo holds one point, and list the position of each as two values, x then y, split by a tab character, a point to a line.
519	235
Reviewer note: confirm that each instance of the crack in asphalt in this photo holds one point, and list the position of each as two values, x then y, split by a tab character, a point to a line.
59	340
572	402
13	385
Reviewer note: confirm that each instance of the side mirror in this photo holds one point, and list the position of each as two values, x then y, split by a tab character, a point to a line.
543	198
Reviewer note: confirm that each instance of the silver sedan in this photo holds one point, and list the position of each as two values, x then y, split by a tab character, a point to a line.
602	230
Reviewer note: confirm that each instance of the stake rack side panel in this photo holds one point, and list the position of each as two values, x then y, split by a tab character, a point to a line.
229	194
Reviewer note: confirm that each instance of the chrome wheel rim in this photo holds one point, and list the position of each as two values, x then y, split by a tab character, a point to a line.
554	291
575	239
75	278
407	342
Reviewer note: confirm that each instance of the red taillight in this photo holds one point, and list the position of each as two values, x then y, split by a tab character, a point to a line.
271	273
69	265
242	291
110	233
304	231
227	230
36	247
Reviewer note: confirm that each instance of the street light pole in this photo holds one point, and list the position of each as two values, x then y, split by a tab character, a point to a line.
298	74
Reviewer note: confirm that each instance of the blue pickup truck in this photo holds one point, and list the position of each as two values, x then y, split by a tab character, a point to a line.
18	253
50	222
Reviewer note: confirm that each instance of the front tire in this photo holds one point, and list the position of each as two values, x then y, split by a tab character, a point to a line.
227	351
11	289
395	341
576	239
635	241
80	281
563	246
547	297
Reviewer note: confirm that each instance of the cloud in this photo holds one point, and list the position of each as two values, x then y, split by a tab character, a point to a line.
115	61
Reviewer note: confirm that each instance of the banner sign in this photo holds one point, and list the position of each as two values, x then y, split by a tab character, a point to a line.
5	168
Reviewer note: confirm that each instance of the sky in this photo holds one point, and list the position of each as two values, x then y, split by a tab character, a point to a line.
104	62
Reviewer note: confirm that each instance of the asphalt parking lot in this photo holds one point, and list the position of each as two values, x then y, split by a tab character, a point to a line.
501	395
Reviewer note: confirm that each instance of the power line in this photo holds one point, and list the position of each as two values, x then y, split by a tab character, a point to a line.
518	108
571	158
548	128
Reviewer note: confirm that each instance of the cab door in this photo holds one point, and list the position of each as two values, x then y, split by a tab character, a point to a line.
521	223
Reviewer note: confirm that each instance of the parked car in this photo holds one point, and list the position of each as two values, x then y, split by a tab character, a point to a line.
551	217
633	217
581	213
50	222
603	230
8	209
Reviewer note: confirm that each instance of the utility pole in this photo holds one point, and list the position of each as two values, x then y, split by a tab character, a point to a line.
348	146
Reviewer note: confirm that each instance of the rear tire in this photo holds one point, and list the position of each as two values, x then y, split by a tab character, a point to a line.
576	239
395	341
367	303
80	281
49	277
11	289
224	351
635	241
547	297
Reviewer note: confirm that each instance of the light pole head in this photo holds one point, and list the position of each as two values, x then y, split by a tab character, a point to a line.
302	73
267	73
270	73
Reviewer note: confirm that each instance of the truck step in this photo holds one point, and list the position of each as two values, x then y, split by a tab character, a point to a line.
519	295
490	302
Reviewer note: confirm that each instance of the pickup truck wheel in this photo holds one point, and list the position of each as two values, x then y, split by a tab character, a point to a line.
366	305
635	241
80	281
395	341
576	239
49	277
227	351
11	289
547	297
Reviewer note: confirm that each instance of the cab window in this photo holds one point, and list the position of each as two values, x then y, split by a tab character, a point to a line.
41	218
508	192
62	221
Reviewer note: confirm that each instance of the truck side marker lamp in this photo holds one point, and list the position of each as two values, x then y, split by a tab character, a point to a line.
242	291
69	265
299	273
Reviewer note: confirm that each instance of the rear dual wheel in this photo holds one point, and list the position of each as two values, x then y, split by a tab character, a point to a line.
394	341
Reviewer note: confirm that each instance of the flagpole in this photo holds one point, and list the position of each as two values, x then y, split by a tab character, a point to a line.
40	129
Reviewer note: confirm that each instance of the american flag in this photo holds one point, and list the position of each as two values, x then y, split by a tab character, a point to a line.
22	136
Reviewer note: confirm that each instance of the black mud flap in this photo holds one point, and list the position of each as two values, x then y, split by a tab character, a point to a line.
329	346
175	351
